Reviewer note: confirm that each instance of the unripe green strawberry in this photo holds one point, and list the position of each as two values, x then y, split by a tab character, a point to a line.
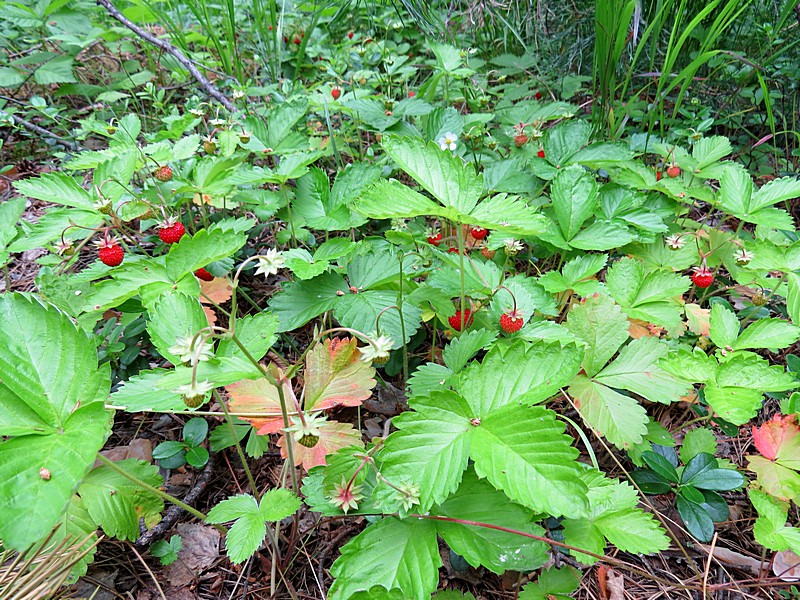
308	440
758	299
193	400
380	360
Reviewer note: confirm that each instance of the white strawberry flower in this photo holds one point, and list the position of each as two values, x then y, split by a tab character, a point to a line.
198	388
270	263
311	427
512	246
742	256
191	350
449	141
675	241
379	348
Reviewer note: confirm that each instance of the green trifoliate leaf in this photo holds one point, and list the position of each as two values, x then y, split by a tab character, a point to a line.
444	175
524	451
521	372
723	326
174	319
393	553
51	399
696	441
613	515
601	324
553	584
650	297
636	370
476	500
621	419
441	424
204	247
576	275
299	302
247	533
116	504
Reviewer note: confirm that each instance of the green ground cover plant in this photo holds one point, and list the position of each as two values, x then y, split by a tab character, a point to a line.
582	294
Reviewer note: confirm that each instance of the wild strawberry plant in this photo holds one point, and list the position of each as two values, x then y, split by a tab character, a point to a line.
541	296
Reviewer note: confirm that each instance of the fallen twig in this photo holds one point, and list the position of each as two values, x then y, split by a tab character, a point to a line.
171	516
43	132
170	49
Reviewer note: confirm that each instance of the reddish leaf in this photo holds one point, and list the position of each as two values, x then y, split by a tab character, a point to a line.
698	319
777	480
260	396
777	440
335	375
218	290
333	435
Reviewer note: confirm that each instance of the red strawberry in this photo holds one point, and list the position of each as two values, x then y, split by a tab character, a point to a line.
453	250
350	35
110	252
658	175
296	40
511	321
673	171
163	173
520	140
702	277
455	320
412	93
538	95
540	153
435	238
201	273
478	233
336	92
171	231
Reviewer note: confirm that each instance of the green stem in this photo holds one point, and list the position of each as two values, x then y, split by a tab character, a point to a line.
460	236
402	323
242	457
284	412
154	490
289	214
